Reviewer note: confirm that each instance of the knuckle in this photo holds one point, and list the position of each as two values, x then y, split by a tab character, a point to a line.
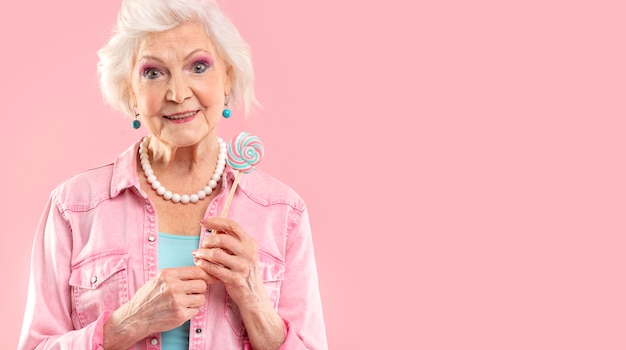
161	275
167	290
212	240
209	267
212	268
241	266
232	226
201	299
203	264
165	275
241	280
219	254
181	314
192	312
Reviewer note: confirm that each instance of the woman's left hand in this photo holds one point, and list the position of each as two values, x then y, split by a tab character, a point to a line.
230	255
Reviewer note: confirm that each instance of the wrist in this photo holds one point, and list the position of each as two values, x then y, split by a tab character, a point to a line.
120	332
266	329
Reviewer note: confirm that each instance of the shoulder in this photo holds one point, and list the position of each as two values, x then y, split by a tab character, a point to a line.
266	190
85	189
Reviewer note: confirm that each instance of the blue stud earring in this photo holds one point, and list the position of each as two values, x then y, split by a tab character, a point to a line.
136	122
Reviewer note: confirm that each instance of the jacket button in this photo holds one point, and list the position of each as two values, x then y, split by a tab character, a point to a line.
151	238
154	341
94	279
198	330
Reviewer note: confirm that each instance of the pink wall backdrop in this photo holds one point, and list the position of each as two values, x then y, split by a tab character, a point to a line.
463	161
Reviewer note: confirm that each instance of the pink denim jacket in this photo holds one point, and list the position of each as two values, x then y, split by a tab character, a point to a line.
97	244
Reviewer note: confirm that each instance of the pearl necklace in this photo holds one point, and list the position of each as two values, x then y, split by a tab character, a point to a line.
175	197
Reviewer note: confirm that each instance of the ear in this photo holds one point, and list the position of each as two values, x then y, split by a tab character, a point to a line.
228	84
132	105
132	99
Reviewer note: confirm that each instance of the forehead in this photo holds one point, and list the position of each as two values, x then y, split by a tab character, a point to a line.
180	39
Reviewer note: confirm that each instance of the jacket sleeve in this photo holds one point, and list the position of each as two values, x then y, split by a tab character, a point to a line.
47	320
300	304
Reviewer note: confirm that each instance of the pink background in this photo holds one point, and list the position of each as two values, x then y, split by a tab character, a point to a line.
463	161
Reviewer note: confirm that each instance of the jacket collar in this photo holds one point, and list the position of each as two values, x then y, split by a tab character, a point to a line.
125	172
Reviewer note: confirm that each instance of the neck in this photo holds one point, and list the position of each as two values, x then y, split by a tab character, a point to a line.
188	179
169	157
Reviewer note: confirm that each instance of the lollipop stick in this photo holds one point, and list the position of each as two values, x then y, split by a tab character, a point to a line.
231	194
244	152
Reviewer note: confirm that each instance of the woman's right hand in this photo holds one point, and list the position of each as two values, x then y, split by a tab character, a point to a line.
165	302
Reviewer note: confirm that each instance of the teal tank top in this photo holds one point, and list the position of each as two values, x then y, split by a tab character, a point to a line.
175	251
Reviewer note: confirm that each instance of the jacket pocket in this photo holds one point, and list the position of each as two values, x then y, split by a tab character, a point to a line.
272	273
98	283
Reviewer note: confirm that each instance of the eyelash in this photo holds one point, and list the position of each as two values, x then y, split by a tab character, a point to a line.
149	70
206	65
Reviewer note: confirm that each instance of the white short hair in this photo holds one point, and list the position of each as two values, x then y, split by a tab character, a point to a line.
140	17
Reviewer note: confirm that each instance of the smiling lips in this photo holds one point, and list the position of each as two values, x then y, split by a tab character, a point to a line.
183	117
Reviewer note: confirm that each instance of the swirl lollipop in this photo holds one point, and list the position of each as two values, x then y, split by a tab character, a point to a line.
244	152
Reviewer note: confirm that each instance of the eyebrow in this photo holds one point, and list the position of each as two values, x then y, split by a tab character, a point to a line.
150	57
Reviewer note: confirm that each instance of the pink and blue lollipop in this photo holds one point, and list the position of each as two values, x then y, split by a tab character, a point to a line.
244	152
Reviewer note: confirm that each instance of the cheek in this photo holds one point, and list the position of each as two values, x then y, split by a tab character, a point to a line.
206	98
149	99
209	96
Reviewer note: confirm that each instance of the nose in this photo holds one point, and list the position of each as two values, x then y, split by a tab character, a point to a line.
178	89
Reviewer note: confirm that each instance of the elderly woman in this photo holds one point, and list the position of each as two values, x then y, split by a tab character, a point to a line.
119	263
